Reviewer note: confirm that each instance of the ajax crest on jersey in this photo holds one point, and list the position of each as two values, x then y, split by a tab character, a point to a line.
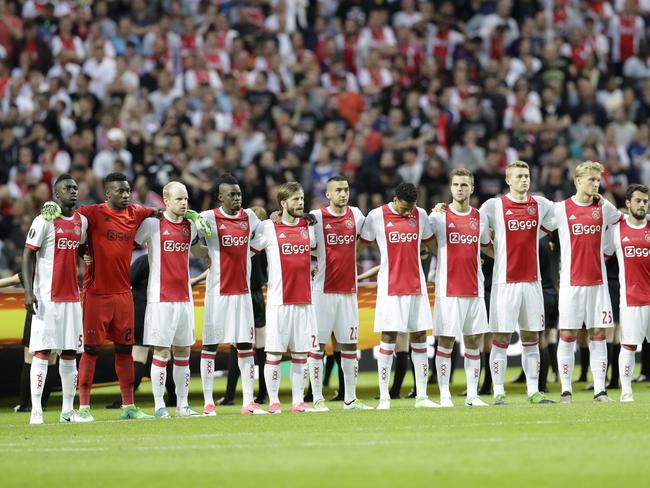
532	210
304	234
77	230
349	224
243	225
412	222
473	224
595	214
647	236
186	231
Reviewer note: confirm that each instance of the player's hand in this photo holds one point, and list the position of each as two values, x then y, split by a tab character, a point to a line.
88	259
599	199
311	220
440	207
201	224
31	304
276	217
51	211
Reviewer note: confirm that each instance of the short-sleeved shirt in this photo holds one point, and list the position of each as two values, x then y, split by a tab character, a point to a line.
581	228
517	226
57	246
110	243
168	249
229	249
459	237
399	239
336	237
288	252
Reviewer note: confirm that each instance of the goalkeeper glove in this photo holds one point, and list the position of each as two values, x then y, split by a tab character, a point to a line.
201	224
51	211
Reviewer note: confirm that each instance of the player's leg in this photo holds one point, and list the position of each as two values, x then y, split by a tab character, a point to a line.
600	317
23	389
506	302
316	370
158	375
38	374
303	336
444	348
327	309
544	361
583	347
277	341
212	331
626	361
181	374
566	361
473	369
635	326
97	313
140	355
420	361
486	346
246	363
613	352
68	374
384	364
401	364
572	308
260	356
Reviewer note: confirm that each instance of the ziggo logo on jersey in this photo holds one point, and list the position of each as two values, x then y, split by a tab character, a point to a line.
228	241
636	252
521	224
457	238
402	236
294	248
335	239
582	229
66	244
173	246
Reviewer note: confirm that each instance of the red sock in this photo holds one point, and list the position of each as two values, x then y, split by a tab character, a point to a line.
125	375
86	376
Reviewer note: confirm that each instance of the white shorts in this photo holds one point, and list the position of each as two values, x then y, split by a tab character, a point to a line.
635	324
453	316
291	327
169	324
228	319
337	313
403	313
516	303
57	326
585	304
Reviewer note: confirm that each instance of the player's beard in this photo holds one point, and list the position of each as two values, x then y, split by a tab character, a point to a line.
639	214
296	212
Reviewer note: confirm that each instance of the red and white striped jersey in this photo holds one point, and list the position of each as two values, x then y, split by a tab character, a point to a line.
632	247
459	236
399	239
516	227
229	249
288	252
168	248
336	238
57	245
581	228
625	31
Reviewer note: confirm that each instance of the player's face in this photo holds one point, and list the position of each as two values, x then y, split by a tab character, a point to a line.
519	180
230	197
67	192
295	204
403	207
461	188
176	203
637	205
589	183
118	194
338	193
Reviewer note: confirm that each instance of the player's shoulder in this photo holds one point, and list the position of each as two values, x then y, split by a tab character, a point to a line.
542	200
356	211
375	212
207	214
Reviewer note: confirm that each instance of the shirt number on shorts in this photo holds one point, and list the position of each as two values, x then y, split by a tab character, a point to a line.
314	342
607	317
80	342
354	333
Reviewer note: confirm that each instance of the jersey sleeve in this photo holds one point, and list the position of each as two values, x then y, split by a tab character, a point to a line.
84	230
436	223
547	220
487	213
36	233
87	211
368	231
611	215
313	243
485	235
609	241
142	212
253	221
194	234
359	218
426	230
143	234
260	240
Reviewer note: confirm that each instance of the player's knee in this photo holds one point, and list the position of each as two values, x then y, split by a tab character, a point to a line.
92	350
298	356
162	352
123	348
182	352
447	342
210	347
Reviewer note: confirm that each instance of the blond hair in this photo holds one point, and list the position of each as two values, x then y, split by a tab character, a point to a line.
583	168
461	172
169	187
286	190
516	164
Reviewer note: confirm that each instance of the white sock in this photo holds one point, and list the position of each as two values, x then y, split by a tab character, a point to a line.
626	367
298	378
272	376
421	368
246	362
181	375
566	361
530	363
315	361
472	371
443	370
384	364
598	362
207	375
68	373
37	375
350	367
498	365
158	379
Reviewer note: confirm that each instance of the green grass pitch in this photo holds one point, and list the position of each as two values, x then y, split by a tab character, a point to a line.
515	445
